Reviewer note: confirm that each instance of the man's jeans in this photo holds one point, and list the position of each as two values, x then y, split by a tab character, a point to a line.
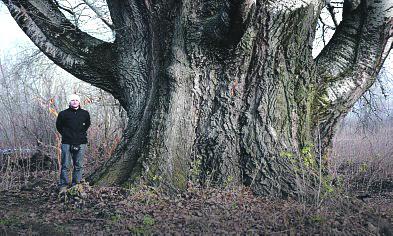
77	160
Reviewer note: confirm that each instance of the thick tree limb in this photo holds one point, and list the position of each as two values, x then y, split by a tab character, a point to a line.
66	45
349	64
229	24
353	57
339	55
133	42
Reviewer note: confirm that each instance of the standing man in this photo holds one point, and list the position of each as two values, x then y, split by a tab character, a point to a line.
72	124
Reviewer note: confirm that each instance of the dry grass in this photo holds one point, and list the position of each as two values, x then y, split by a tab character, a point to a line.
38	210
17	168
362	158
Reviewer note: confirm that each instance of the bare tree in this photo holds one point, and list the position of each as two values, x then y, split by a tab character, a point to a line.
230	87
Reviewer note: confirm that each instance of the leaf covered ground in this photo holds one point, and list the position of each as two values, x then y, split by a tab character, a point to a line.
36	209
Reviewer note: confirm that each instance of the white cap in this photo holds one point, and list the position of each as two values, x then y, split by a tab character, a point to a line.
74	97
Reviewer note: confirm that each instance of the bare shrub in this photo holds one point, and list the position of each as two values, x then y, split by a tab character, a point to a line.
33	91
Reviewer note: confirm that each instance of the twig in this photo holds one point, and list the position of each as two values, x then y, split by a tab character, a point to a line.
98	13
331	11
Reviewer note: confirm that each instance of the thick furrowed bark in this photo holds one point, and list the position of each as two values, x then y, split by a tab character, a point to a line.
138	69
125	160
225	116
277	116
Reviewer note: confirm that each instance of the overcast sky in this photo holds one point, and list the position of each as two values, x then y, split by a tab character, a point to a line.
12	38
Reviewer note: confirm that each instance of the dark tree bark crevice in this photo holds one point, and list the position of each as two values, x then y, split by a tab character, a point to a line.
226	27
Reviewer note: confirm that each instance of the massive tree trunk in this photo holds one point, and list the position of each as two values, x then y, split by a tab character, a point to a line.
220	92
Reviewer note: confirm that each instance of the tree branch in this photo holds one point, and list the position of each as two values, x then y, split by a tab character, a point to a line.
66	45
339	54
330	8
98	13
355	50
64	8
132	23
349	64
229	24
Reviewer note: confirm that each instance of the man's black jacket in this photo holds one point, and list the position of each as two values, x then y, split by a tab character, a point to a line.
72	125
